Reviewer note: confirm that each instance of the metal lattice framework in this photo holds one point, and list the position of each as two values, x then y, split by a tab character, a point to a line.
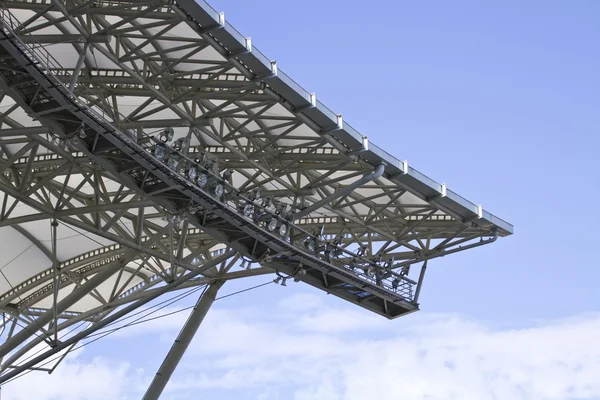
90	92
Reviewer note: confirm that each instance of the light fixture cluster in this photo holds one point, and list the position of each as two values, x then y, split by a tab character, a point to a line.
273	215
282	279
199	171
373	269
246	264
267	212
326	249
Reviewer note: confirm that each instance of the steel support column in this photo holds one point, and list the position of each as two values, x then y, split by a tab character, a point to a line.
182	342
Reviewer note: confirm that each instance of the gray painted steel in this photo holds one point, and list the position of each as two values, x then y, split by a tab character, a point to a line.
94	171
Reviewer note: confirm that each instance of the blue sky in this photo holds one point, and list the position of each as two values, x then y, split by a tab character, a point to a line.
500	101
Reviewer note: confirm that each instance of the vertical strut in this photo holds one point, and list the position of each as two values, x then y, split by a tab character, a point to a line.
54	226
420	283
182	342
171	250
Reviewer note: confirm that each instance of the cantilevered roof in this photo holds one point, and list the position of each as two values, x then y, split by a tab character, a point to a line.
147	66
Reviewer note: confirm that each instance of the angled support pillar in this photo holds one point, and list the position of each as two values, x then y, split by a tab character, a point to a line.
182	342
63	38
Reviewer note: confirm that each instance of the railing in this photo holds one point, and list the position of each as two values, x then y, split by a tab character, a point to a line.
10	24
45	62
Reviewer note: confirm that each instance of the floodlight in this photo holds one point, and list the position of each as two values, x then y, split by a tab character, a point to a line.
283	230
192	172
180	144
249	210
310	244
202	180
332	252
173	161
272	224
219	190
371	271
167	135
159	152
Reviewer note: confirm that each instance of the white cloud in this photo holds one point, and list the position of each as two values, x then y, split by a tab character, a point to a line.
300	302
310	350
559	360
431	357
98	379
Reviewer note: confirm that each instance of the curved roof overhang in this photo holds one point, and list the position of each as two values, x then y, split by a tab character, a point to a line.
147	66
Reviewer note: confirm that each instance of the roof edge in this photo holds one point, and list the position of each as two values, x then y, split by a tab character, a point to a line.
331	124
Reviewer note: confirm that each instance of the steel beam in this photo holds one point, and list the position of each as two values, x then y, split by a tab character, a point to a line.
164	123
50	39
25	131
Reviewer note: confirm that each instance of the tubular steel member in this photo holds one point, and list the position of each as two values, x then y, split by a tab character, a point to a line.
182	342
342	192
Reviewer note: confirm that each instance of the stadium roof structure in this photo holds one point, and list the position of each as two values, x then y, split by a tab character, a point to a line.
148	147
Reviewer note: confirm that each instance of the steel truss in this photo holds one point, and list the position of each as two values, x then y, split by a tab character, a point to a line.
74	153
